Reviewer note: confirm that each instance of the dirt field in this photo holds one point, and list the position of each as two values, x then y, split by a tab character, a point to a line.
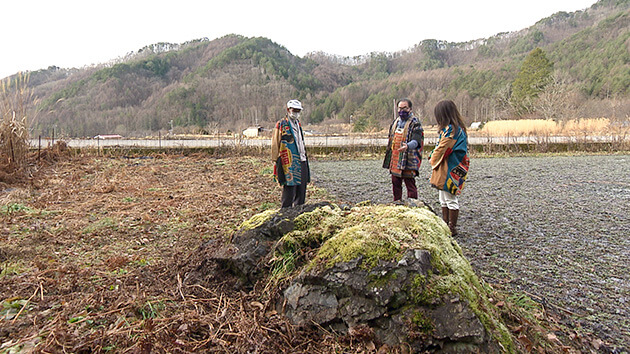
554	229
96	253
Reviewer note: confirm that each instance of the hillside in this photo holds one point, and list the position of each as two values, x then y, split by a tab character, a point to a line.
196	85
232	82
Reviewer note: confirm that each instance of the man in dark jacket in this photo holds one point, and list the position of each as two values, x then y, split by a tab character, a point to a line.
404	150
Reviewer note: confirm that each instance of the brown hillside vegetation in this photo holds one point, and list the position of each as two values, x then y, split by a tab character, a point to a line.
96	254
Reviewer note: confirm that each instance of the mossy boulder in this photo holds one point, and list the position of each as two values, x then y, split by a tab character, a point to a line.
391	270
247	254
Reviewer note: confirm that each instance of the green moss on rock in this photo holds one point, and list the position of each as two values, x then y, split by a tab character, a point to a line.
258	219
384	233
380	232
319	220
312	228
422	322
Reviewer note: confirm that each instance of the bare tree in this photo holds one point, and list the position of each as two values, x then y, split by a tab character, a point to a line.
553	102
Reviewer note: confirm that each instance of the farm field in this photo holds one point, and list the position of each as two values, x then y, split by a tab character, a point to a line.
96	252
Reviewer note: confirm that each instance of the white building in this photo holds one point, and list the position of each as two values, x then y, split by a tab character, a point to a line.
252	132
475	125
108	136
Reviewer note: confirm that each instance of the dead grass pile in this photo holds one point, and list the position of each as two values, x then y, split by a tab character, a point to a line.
51	154
14	195
10	175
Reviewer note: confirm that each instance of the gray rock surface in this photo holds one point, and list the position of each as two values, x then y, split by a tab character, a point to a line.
382	298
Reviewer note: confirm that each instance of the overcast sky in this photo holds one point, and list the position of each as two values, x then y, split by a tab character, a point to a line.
75	33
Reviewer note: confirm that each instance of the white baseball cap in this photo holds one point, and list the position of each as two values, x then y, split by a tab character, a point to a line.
294	104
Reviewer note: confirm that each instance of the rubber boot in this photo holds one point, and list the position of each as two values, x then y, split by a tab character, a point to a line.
445	214
452	220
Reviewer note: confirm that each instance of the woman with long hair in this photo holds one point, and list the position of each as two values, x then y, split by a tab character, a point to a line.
449	160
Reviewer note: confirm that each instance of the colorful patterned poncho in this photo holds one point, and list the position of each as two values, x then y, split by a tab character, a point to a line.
449	161
287	170
406	163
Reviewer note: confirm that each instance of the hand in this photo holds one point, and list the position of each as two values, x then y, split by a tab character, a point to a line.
403	147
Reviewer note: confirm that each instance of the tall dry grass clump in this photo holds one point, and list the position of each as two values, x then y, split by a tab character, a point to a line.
547	127
14	96
587	134
592	126
523	127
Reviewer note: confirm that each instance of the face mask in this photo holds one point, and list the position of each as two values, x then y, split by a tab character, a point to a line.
294	115
404	114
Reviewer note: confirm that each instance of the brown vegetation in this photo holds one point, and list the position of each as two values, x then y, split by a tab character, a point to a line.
96	253
14	97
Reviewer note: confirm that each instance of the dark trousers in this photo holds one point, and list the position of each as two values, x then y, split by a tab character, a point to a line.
410	183
295	195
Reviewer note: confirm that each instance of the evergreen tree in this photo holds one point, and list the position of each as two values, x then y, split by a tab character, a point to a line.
531	80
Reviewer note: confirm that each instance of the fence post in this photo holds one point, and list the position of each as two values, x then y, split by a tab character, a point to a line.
12	153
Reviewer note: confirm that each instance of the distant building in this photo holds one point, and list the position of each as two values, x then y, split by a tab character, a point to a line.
252	132
475	125
108	136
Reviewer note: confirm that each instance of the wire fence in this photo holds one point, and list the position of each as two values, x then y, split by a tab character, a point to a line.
317	141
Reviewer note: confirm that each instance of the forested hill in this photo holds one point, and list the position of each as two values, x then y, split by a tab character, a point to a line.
568	65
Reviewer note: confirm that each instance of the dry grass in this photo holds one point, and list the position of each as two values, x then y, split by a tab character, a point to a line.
548	127
593	125
523	127
13	127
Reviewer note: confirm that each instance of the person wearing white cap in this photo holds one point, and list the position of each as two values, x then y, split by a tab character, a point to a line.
288	153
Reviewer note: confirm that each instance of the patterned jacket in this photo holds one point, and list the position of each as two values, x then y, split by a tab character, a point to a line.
449	161
411	158
287	170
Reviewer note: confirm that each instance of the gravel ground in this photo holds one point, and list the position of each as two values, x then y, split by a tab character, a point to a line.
555	228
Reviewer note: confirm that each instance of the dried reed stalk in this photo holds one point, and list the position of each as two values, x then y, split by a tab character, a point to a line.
14	96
